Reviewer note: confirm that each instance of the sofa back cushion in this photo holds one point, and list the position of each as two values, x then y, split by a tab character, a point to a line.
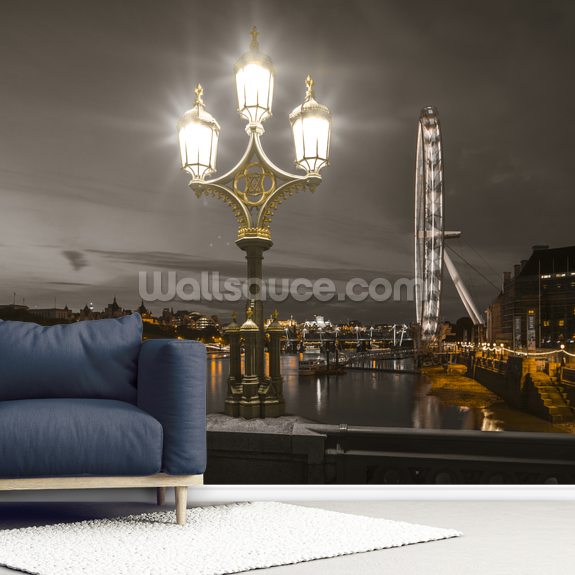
89	359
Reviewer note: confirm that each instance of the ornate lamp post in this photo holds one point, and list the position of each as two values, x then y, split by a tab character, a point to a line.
255	187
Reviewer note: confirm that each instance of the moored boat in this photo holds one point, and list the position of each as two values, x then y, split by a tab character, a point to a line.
311	366
319	366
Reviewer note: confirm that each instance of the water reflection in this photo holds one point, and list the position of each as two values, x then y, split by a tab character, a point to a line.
376	398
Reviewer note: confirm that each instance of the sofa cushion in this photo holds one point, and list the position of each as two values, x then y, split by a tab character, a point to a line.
172	388
69	437
89	359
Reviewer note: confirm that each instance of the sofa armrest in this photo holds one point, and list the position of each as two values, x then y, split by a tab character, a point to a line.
172	388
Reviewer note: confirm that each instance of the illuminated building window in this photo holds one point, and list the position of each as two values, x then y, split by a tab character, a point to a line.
561	323
546	323
531	311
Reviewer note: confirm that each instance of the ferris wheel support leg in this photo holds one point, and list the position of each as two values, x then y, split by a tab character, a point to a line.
472	310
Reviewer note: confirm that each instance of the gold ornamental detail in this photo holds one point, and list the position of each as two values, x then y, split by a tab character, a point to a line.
260	232
254	183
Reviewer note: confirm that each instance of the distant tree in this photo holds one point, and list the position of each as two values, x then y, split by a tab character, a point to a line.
22	314
154	331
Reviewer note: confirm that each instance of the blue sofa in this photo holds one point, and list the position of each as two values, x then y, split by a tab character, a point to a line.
89	404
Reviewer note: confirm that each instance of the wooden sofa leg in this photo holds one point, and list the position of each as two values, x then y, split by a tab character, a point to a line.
181	504
161	495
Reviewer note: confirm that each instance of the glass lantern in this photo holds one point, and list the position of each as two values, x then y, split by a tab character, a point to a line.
255	84
198	132
311	127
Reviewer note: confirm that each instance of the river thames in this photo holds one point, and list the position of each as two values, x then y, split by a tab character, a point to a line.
381	399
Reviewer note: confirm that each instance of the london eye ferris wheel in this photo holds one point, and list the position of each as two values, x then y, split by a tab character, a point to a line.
430	234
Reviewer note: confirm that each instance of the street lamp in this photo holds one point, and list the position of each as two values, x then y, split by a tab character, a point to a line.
255	85
255	187
198	133
311	127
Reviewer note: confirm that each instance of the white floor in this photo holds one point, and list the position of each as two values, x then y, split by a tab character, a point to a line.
500	537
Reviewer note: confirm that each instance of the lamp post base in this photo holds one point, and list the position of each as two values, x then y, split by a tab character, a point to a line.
232	405
250	409
272	408
271	398
232	408
249	403
232	401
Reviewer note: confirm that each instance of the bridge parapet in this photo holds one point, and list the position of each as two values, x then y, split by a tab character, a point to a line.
425	456
302	452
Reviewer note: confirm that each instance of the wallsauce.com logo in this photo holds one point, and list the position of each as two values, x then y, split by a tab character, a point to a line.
161	286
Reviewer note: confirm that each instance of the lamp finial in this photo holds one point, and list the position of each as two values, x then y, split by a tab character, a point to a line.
199	91
254	44
309	85
234	316
249	313
275	314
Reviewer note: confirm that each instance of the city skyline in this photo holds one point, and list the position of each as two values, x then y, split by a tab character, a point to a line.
91	188
156	310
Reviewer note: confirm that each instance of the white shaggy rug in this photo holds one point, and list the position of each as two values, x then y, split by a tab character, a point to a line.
216	540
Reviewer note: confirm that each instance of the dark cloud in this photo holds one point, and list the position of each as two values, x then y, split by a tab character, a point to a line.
77	259
68	284
186	264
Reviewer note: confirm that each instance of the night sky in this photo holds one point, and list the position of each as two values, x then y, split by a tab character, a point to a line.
90	186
